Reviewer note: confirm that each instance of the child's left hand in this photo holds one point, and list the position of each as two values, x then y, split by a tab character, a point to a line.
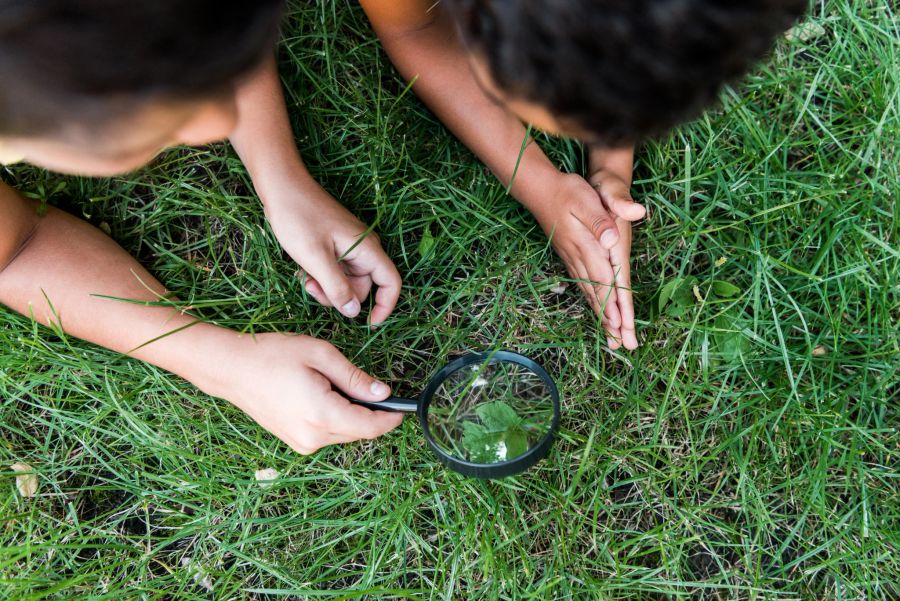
590	228
325	240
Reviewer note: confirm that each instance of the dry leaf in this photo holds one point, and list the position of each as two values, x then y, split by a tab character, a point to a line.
198	573
25	482
819	351
697	294
266	477
805	32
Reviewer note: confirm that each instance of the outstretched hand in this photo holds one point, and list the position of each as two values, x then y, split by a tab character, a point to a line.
289	384
590	228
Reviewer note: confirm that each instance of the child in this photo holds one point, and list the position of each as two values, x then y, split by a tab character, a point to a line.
100	86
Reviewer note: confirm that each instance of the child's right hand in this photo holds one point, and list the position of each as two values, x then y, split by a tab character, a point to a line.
340	260
286	383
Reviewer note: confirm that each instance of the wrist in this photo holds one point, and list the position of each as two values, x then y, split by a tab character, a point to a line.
539	190
286	186
618	161
554	200
202	354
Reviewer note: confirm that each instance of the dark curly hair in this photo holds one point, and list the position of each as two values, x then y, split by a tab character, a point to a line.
87	61
622	70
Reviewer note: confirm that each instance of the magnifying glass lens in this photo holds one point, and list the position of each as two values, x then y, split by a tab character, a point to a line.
488	413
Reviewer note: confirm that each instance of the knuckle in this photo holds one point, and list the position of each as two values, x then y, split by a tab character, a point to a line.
300	447
321	349
340	289
312	442
315	421
373	430
599	223
357	377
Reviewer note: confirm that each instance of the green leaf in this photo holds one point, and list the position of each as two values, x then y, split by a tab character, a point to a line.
730	342
725	289
684	293
667	290
427	243
677	311
497	416
482	446
516	442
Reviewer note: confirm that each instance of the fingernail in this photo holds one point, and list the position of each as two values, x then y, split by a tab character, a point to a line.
608	238
379	388
351	309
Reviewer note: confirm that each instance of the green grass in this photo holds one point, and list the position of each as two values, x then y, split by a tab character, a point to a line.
684	469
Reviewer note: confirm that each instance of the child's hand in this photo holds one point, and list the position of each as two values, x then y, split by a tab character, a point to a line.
591	231
286	382
324	238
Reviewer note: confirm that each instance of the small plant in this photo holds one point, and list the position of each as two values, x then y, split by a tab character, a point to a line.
679	295
500	436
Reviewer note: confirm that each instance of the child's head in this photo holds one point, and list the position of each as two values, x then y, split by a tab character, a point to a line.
100	86
615	71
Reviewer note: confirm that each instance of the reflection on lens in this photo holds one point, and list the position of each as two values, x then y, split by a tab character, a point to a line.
490	413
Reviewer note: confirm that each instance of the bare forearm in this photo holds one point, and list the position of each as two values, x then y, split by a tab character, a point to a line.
263	138
62	269
619	161
435	59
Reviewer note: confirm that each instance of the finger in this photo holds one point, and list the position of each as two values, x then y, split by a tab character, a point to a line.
624	207
617	199
387	278
580	276
337	286
613	338
342	374
599	272
603	301
629	338
622	267
315	290
602	225
299	448
351	422
361	285
625	303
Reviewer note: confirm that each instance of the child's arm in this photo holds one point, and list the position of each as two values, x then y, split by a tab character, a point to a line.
52	267
311	226
423	44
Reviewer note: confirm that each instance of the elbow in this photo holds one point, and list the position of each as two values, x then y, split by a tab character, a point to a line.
19	222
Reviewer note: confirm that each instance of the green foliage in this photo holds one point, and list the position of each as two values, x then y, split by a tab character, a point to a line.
747	450
497	416
499	437
426	244
725	289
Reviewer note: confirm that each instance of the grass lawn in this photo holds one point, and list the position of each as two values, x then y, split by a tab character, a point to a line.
747	450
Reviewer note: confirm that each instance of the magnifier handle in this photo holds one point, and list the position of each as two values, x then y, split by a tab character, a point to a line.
394	403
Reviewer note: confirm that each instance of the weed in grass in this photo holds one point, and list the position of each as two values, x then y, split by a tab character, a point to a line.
761	465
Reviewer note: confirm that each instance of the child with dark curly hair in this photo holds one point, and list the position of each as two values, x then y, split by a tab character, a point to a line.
101	86
609	72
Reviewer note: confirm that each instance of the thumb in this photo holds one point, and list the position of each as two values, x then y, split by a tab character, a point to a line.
335	285
347	377
594	216
615	195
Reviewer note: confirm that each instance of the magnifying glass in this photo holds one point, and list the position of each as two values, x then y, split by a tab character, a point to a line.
487	415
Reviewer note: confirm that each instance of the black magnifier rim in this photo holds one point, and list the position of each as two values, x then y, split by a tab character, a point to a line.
494	470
